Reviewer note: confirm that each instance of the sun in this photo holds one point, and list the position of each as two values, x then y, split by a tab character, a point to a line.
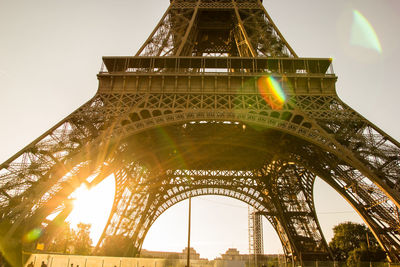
93	206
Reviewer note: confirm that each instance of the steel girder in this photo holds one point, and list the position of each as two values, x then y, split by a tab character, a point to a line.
36	178
277	191
255	234
177	91
204	27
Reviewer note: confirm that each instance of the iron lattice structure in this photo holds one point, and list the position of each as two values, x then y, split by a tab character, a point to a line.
256	240
185	117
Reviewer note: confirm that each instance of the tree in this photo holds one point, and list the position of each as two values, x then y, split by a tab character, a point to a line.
82	242
353	241
62	239
366	255
117	246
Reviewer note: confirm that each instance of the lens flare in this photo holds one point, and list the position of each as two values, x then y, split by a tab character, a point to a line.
33	235
271	91
363	34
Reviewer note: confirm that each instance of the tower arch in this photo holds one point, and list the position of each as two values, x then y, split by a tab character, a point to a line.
299	244
207	61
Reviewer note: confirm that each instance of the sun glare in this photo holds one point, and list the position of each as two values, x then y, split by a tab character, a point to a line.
93	206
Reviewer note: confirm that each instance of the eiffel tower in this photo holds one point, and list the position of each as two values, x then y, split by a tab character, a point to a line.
215	102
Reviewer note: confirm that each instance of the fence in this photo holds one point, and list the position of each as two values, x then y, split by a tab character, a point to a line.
322	264
55	260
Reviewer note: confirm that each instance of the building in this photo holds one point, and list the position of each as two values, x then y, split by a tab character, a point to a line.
170	255
232	254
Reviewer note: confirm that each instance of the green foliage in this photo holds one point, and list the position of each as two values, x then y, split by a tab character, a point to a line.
116	246
67	240
62	239
82	241
363	254
353	243
347	237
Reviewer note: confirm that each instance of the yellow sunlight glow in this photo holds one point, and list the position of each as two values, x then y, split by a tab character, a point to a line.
93	206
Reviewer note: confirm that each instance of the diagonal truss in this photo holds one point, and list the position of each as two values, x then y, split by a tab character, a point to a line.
255	235
204	27
305	237
186	117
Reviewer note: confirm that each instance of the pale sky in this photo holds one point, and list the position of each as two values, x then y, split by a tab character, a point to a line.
50	53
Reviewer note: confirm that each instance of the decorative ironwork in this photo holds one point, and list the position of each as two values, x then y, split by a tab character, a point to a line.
186	117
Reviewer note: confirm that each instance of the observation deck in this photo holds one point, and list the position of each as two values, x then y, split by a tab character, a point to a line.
215	74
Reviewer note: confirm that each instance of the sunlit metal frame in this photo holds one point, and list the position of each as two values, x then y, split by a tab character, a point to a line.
173	81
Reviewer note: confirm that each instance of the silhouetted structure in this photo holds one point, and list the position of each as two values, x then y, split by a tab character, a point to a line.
215	102
170	255
256	240
232	254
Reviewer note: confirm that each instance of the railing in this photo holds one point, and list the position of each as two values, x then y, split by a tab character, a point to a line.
58	260
322	264
298	66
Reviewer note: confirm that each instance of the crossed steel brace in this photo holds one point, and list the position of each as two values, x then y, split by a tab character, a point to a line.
189	114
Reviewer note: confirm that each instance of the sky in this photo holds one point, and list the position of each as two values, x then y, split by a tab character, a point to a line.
50	53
